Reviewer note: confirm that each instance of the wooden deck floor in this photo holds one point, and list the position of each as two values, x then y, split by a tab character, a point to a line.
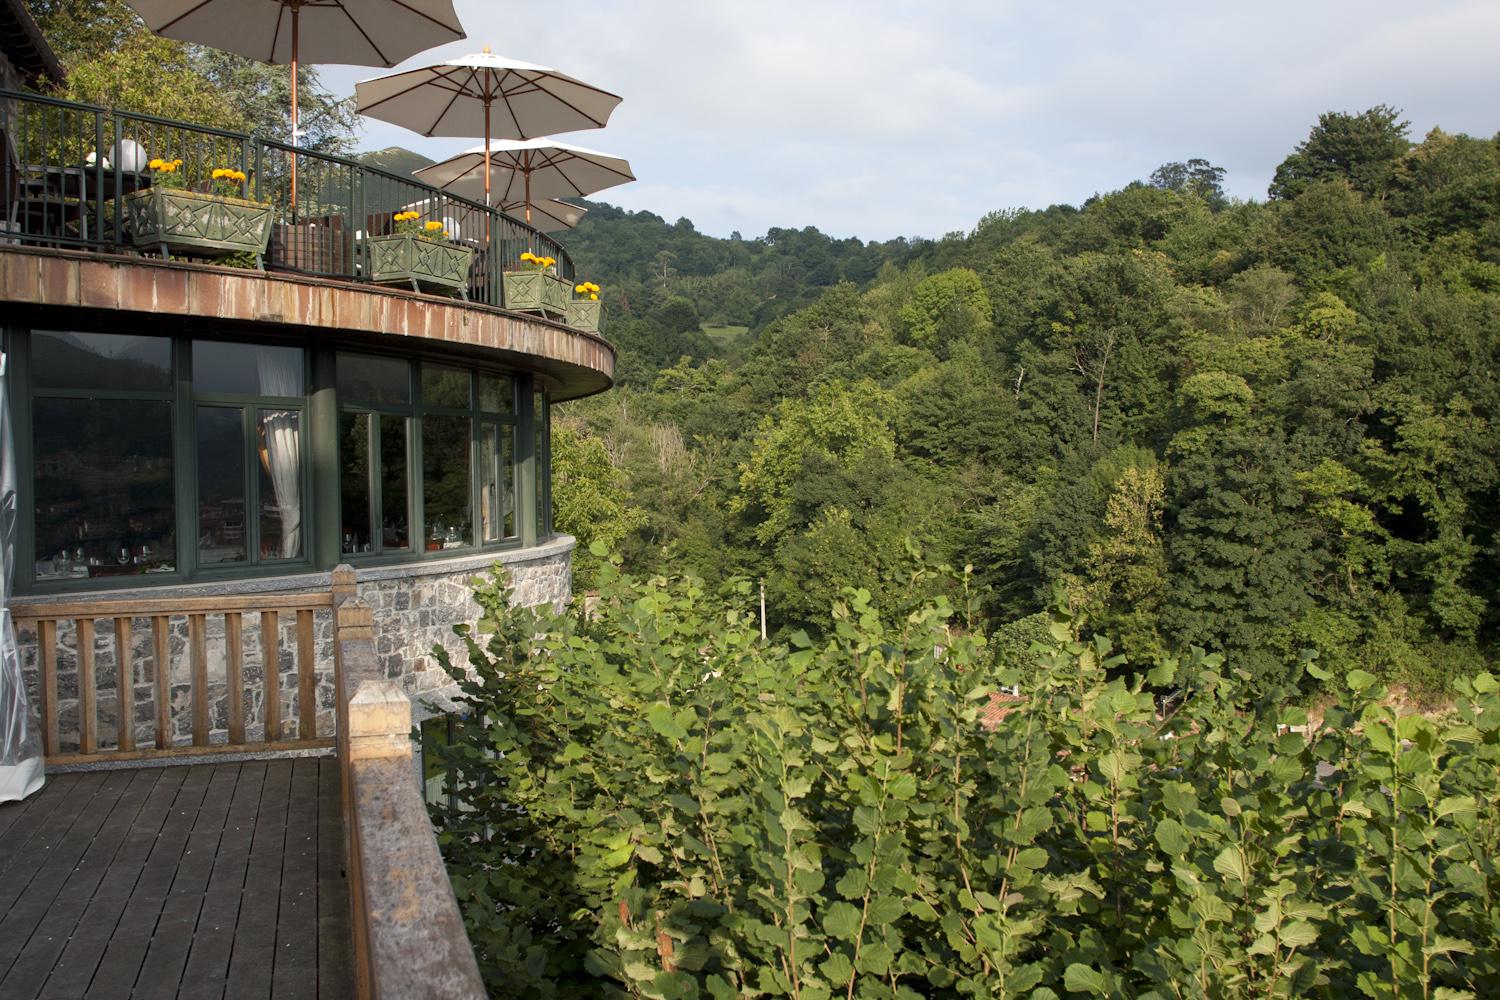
215	880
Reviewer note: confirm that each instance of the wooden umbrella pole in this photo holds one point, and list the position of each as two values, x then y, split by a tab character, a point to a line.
296	18
527	174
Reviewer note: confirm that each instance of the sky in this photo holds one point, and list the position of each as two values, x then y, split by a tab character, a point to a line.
877	118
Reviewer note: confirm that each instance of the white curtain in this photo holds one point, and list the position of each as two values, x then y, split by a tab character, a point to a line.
281	375
20	739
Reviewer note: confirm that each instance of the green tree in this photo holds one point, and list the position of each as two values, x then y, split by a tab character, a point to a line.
1361	149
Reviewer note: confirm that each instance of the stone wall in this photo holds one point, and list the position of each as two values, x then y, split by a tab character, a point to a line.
415	607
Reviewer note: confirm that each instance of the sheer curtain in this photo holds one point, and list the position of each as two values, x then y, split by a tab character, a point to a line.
280	373
20	739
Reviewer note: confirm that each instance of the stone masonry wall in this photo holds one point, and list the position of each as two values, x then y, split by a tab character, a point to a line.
415	608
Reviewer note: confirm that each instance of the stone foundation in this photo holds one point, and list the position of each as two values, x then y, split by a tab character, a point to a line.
415	608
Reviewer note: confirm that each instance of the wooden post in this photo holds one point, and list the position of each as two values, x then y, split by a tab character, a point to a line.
234	669
307	693
198	661
87	717
163	677
46	644
124	687
270	658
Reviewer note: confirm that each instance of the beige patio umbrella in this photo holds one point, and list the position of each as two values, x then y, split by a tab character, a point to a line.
486	96
550	215
281	32
531	169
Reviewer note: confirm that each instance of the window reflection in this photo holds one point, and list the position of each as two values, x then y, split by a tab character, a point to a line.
354	488
445	481
109	361
104	487
394	533
247	369
445	387
221	485
368	379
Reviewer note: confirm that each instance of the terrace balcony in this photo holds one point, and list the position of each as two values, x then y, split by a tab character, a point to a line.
252	497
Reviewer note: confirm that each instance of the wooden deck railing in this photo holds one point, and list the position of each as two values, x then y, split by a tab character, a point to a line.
409	937
185	706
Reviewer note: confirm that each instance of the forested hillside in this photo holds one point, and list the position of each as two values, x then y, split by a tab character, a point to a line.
1266	428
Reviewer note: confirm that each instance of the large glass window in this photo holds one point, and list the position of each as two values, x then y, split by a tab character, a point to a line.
445	481
374	443
252	470
543	452
103	480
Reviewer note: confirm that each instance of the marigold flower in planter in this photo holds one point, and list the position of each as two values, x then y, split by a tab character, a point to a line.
536	288
420	254
585	311
214	221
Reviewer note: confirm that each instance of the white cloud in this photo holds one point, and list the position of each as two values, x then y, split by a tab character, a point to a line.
887	118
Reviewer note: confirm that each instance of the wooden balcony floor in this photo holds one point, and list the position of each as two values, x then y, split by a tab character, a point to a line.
213	880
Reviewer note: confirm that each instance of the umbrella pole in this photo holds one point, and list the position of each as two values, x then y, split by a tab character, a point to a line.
296	18
487	203
527	174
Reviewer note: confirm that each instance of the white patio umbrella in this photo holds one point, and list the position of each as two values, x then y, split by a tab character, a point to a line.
531	169
485	96
550	215
281	32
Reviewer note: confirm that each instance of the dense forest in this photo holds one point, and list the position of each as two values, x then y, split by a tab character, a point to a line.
1263	428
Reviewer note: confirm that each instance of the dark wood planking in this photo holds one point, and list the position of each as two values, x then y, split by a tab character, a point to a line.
187	882
207	969
254	957
72	903
39	882
34	811
24	850
335	953
76	967
123	958
295	976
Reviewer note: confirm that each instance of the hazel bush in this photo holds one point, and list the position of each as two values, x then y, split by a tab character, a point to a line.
650	801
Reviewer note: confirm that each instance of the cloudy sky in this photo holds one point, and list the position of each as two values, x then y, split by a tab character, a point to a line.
876	118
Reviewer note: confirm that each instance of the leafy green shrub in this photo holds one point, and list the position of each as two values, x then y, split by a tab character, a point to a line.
658	804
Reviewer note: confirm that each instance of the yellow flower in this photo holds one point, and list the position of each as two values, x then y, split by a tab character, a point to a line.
528	255
593	297
433	225
157	163
580	288
176	163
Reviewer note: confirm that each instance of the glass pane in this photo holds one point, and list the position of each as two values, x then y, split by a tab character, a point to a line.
497	394
221	485
489	483
104	484
280	463
508	480
445	387
354	485
247	369
394	533
445	481
543	467
107	361
363	378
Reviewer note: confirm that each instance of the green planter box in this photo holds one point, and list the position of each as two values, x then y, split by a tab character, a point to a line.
407	258
533	291
586	314
207	225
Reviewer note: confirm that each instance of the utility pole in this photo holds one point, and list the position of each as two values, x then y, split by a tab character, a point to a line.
762	609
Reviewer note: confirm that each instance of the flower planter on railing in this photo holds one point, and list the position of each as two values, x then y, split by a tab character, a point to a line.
538	292
207	225
409	258
586	314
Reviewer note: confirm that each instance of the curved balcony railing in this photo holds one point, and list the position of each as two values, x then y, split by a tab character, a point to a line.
65	170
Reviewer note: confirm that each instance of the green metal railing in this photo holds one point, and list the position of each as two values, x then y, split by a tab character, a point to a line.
66	168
